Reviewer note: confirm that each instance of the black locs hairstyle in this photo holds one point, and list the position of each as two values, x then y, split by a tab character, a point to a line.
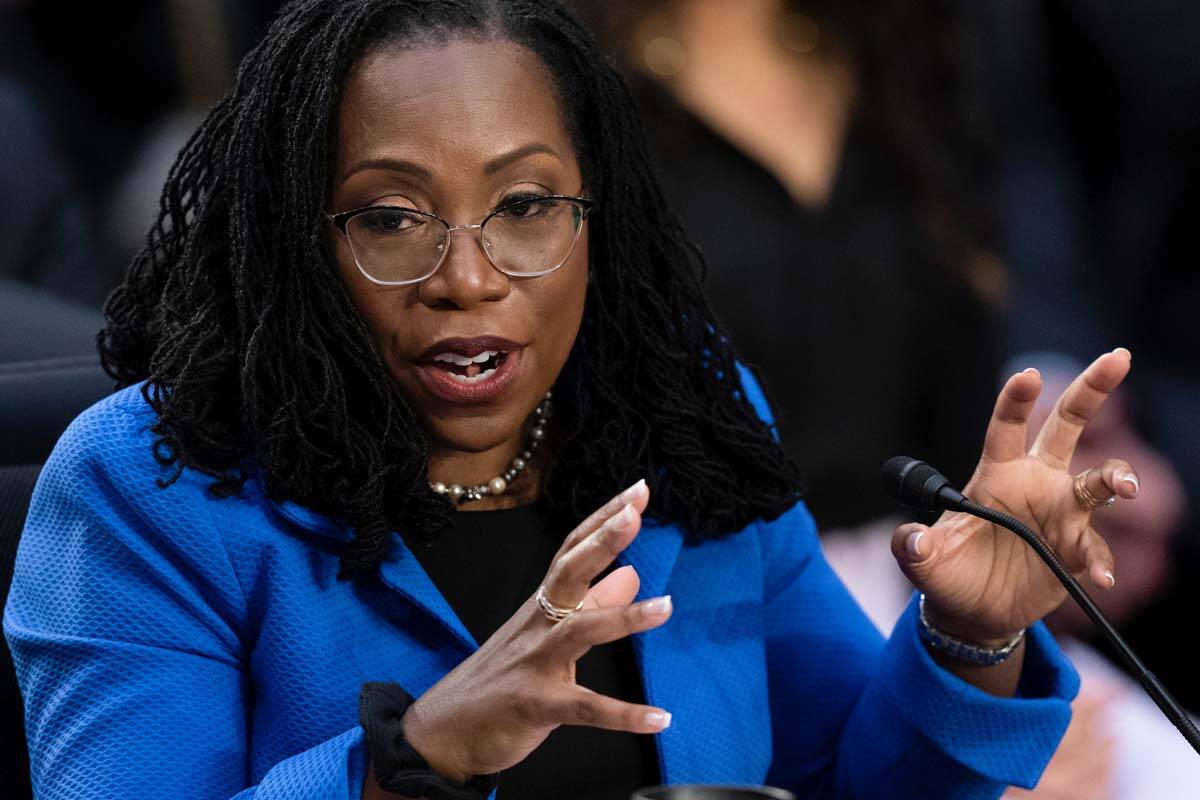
255	359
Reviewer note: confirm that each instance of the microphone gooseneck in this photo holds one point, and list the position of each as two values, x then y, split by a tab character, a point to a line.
918	485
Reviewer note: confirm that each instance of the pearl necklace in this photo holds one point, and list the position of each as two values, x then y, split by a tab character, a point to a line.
462	494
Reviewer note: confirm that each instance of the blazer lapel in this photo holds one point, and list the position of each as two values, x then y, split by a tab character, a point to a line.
653	554
402	573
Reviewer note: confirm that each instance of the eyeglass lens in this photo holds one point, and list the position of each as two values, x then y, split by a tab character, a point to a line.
395	244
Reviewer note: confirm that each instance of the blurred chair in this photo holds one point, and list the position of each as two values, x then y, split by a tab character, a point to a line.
37	401
35	324
16	486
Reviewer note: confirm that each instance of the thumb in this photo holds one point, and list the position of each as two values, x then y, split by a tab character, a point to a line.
914	546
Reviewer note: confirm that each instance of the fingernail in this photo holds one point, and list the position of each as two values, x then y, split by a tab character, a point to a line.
1125	350
1111	580
1130	480
658	719
1033	370
913	543
633	491
659	606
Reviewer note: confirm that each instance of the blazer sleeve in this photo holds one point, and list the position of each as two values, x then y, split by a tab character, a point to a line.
123	621
854	716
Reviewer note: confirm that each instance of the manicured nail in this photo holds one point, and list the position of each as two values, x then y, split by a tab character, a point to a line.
658	719
659	606
1033	370
633	491
1111	580
913	543
1130	480
1125	350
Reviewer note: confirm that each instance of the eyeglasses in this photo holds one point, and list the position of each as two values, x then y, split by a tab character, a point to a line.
530	236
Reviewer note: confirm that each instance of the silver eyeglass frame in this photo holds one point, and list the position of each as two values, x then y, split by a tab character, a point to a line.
342	218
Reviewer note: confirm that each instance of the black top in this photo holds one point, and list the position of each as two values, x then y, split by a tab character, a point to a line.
869	346
486	566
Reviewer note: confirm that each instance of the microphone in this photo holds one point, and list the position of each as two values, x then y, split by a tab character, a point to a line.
918	485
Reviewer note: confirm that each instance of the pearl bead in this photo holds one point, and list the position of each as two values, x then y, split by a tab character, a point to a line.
537	433
497	485
526	454
438	487
455	491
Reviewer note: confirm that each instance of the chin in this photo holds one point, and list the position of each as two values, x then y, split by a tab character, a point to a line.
472	434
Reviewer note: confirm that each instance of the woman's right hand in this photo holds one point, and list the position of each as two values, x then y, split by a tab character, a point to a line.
497	706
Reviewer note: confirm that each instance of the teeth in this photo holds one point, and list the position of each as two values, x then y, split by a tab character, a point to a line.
481	376
463	361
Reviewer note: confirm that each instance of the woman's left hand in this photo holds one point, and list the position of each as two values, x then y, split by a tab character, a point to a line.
981	582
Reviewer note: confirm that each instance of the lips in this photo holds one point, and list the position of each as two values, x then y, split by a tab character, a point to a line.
474	370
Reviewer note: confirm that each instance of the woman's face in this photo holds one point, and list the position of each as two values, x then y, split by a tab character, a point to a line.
457	130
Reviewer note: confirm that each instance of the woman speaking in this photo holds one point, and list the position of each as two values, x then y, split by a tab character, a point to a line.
434	475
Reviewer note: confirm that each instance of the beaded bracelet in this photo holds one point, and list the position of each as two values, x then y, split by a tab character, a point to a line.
960	650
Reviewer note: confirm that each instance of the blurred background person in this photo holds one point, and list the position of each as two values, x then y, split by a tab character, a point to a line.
826	159
864	168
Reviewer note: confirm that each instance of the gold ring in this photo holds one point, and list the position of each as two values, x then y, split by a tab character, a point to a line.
554	613
1083	496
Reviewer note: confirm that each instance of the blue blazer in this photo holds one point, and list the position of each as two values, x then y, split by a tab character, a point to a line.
169	644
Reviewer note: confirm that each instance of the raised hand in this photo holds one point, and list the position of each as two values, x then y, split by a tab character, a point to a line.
493	709
983	583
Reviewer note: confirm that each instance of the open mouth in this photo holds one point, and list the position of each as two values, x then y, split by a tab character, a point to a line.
470	369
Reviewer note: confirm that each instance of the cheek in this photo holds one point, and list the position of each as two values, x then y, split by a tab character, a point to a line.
561	311
375	304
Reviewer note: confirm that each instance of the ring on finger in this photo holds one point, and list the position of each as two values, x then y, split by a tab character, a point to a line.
1084	497
554	613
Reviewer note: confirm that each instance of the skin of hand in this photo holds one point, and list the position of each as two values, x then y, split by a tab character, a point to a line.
1139	534
982	583
1082	766
499	704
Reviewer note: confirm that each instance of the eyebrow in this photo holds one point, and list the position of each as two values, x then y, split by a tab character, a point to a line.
490	168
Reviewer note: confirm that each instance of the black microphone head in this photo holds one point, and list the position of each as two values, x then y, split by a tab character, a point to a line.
913	482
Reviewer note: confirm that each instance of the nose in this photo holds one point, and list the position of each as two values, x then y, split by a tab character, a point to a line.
466	277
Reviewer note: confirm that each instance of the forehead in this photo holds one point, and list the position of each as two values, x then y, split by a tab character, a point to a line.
448	105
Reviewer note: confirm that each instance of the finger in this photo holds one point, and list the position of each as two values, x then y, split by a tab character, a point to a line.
570	575
581	706
617	589
1082	399
638	495
1098	560
914	545
1007	433
583	630
1114	477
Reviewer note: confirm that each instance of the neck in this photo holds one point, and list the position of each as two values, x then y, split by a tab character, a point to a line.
501	476
725	28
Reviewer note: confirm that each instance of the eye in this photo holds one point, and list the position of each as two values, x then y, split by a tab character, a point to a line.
525	205
389	221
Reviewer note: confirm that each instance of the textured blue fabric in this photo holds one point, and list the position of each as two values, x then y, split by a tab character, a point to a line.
172	645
